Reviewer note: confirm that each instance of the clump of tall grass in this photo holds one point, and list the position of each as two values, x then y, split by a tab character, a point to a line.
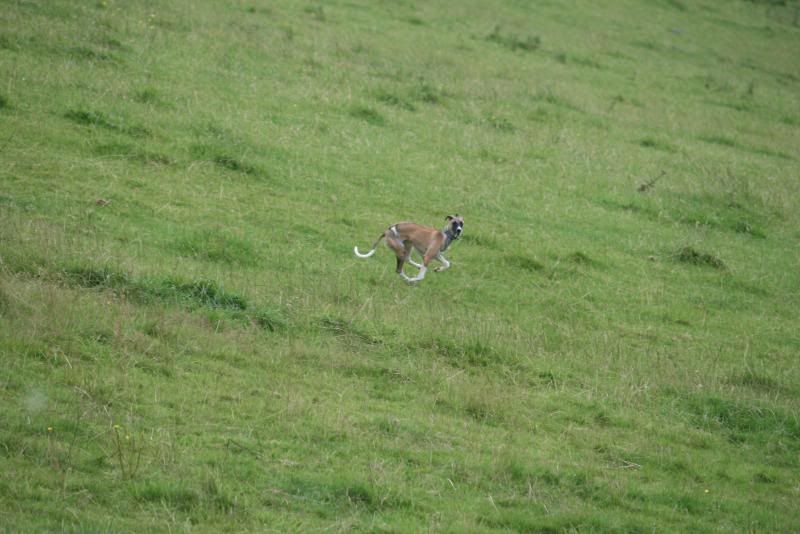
225	159
514	42
217	246
694	257
102	120
368	115
193	294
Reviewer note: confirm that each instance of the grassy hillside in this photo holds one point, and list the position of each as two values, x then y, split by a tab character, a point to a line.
188	342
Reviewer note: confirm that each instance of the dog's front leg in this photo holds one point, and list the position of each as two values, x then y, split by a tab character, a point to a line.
445	263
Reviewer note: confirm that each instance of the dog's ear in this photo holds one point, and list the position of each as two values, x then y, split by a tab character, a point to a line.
449	218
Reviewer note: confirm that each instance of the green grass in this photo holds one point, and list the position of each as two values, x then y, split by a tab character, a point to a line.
188	342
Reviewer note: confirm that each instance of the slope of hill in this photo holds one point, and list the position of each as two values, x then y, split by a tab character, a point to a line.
189	343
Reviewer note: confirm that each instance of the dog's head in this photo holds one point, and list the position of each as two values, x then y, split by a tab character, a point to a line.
455	223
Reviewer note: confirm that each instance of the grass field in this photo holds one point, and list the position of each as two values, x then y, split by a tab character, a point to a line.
189	344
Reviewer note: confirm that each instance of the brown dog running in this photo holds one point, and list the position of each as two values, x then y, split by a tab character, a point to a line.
430	242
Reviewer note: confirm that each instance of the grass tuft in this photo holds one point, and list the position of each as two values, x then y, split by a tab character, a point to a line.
101	120
719	140
549	96
580	258
500	123
270	318
368	115
392	99
754	380
740	419
235	164
170	494
693	257
316	11
224	160
89	118
745	227
217	246
132	153
151	96
427	93
676	4
514	42
206	293
89	54
524	263
348	330
657	144
464	354
567	58
203	292
217	497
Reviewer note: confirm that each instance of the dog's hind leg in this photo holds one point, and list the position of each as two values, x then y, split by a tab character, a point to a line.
431	253
422	269
406	258
420	275
401	251
403	275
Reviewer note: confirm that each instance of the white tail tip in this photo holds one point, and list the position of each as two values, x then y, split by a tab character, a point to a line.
367	255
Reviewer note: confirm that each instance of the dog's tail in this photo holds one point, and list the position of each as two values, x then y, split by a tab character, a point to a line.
371	251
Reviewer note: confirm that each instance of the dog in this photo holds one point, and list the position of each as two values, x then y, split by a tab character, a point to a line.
402	237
